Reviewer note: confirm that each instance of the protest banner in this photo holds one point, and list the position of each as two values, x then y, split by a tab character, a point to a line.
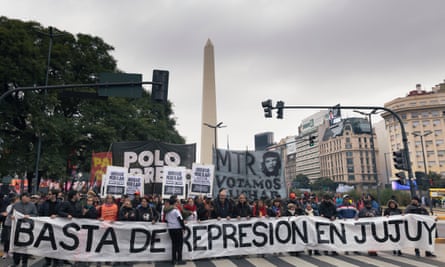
201	180
149	157
93	240
257	174
99	163
114	181
174	182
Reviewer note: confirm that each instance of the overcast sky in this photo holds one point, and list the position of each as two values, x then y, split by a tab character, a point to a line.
310	52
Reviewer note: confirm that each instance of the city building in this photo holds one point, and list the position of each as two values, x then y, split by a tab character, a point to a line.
423	116
306	156
263	140
346	152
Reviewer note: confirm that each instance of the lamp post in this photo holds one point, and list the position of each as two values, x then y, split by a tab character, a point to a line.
424	162
215	128
386	167
51	36
373	157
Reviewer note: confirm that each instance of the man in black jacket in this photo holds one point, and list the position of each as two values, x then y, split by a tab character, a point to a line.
49	208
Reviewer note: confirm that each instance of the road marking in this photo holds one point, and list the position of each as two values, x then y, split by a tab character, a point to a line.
295	261
411	261
260	262
336	262
224	263
375	261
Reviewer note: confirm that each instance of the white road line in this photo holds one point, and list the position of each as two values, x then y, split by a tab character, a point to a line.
336	261
410	261
295	261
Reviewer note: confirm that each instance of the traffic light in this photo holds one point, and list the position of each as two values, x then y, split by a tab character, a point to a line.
267	105
312	140
400	160
159	88
402	177
280	106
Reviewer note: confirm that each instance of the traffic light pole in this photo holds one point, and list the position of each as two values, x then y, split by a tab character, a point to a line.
402	129
62	87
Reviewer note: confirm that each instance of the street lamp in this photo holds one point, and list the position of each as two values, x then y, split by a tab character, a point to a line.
373	157
215	128
424	161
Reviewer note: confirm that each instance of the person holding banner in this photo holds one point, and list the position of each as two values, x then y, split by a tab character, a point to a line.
242	208
176	227
416	208
393	209
222	207
6	230
109	210
50	208
28	209
127	212
145	212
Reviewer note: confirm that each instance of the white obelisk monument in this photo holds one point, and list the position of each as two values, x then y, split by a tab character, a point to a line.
208	105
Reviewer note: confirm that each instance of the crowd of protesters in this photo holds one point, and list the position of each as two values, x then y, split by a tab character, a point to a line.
177	212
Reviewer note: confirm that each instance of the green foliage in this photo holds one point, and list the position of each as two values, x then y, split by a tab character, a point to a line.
300	181
70	129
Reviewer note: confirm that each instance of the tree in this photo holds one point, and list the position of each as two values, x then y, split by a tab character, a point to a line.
300	181
324	184
70	129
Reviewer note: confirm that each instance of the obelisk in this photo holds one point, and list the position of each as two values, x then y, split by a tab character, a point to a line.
208	105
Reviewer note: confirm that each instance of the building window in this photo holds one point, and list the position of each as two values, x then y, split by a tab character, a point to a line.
425	123
415	124
426	113
414	115
351	178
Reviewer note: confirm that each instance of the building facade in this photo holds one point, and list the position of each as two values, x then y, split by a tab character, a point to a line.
346	153
423	116
307	160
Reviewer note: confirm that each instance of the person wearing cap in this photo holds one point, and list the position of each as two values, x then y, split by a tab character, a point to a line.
415	208
136	201
28	209
391	210
176	226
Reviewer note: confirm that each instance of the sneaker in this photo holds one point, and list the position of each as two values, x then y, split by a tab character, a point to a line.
429	254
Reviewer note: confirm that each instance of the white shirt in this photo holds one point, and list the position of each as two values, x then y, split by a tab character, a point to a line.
172	219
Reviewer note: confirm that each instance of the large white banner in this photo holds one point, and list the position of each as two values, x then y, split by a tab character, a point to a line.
92	240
